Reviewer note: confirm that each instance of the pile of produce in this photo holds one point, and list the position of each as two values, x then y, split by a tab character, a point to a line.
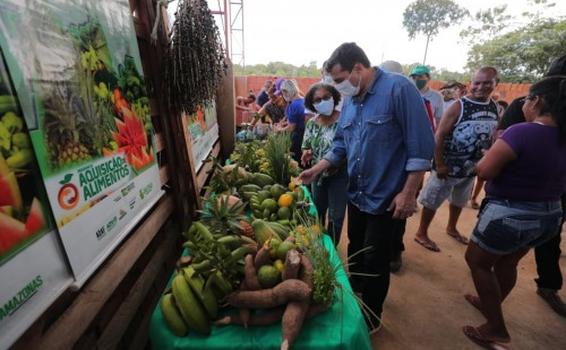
21	213
256	251
270	157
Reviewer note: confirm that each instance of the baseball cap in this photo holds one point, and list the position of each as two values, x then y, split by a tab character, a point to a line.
420	69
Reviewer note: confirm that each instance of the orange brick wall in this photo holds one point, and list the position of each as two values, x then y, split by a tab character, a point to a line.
504	91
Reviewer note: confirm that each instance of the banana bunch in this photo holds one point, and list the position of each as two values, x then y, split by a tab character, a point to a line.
15	143
214	270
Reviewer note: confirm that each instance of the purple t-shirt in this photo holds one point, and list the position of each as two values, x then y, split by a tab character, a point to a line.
539	172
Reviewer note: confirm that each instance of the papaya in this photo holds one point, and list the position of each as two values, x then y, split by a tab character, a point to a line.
261	179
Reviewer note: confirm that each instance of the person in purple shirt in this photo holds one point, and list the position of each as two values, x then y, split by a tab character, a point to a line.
526	173
384	135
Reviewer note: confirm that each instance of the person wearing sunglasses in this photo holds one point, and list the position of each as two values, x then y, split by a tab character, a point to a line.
329	189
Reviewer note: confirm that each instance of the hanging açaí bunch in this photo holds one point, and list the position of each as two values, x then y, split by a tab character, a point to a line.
195	59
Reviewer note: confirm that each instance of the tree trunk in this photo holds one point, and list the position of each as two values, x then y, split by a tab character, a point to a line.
426	49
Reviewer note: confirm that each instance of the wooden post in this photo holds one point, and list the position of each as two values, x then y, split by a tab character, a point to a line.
226	112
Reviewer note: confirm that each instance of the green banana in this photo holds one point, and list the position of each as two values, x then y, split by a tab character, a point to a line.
20	159
247	240
230	241
281	230
206	297
189	306
201	266
172	316
203	231
219	281
240	252
190	233
21	140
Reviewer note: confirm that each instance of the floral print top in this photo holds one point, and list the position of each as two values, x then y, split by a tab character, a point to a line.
318	138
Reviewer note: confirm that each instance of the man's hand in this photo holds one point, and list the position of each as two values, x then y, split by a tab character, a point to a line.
308	176
404	205
442	171
306	157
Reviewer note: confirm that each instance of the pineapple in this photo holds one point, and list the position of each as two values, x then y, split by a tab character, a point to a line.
223	215
64	126
247	229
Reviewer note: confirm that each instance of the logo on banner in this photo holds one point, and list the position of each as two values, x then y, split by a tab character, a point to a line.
24	294
68	196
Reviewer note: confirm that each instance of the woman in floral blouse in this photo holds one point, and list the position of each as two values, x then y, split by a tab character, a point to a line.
329	190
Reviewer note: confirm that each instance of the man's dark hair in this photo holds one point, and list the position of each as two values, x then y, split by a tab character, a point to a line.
557	67
309	97
489	69
347	55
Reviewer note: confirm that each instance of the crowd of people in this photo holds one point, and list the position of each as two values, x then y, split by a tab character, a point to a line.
372	135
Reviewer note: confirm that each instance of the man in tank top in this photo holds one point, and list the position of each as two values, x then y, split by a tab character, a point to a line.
464	133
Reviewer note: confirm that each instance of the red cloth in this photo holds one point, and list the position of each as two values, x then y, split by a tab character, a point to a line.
430	114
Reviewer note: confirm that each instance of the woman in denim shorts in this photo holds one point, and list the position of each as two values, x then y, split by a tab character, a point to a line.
526	174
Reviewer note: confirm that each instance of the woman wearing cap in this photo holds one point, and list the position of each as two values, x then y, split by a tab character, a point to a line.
329	189
295	113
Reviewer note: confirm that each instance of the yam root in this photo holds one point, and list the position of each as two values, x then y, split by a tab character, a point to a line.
292	265
281	294
266	318
262	257
250	273
306	271
244	313
292	322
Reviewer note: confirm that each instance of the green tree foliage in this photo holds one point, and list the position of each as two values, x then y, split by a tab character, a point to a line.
524	54
279	69
428	17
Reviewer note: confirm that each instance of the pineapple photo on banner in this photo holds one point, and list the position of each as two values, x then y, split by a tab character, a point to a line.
77	71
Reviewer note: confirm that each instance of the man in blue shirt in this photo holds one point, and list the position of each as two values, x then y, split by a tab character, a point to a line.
386	138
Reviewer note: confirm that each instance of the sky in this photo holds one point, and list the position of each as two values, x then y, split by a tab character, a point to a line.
302	31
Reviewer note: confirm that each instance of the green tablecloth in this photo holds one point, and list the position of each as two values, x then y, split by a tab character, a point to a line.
340	327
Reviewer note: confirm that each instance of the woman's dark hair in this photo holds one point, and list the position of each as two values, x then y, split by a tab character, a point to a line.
503	104
309	97
552	91
347	55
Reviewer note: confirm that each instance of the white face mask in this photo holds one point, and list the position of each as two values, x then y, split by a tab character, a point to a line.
325	107
348	89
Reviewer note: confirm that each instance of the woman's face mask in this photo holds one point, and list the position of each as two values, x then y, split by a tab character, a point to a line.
325	107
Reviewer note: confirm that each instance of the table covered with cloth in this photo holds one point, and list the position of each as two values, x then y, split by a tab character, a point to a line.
342	326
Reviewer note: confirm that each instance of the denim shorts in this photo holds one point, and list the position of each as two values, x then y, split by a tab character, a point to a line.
456	189
505	226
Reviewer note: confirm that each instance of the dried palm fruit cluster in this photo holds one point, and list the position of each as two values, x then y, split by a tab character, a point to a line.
195	59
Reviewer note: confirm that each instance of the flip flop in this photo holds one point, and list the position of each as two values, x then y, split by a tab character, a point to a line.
475	302
430	245
475	335
458	237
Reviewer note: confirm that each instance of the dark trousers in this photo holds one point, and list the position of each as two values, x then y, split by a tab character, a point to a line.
330	195
547	256
377	232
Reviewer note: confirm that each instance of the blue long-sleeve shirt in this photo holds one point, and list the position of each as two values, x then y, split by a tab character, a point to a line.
384	135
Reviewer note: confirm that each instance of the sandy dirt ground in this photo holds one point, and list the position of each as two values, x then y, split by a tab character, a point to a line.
425	308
